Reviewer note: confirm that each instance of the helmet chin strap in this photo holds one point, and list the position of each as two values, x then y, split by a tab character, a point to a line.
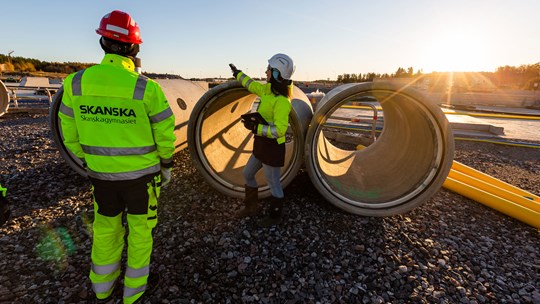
119	48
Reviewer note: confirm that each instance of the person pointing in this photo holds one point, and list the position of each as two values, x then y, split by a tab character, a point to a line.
269	142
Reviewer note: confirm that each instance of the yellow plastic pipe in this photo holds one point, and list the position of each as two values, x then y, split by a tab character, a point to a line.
492	189
505	206
493	181
528	117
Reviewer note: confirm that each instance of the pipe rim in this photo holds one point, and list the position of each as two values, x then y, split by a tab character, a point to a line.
439	163
56	130
196	149
4	99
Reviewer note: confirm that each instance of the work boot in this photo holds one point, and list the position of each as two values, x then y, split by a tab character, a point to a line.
4	211
251	203
111	299
151	286
4	214
275	213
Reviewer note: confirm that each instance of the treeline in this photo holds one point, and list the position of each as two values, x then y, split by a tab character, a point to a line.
21	64
400	73
526	77
521	77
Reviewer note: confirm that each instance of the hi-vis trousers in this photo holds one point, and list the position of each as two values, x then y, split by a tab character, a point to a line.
111	199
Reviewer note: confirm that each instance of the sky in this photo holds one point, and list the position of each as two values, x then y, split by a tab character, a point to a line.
199	38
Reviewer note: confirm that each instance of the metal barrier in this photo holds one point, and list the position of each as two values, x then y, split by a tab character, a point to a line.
48	91
9	97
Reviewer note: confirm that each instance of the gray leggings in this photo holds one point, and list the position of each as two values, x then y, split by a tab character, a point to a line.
272	175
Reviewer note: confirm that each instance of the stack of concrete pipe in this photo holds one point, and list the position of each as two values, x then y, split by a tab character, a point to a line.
403	168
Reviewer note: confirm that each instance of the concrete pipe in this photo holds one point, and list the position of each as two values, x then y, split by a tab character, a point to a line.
220	146
181	94
404	167
4	99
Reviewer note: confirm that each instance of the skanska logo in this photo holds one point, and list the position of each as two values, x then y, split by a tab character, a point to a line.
121	112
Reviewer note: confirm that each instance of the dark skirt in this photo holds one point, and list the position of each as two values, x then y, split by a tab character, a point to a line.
268	151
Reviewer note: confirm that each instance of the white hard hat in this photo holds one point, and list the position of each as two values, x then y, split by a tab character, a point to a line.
283	63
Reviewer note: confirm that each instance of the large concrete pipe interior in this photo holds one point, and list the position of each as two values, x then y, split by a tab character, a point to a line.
402	168
181	94
4	99
220	146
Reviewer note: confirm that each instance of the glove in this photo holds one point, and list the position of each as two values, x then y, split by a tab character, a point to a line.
250	125
234	70
165	176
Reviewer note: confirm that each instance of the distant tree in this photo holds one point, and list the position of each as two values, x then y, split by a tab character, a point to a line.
371	76
400	73
410	72
24	66
8	66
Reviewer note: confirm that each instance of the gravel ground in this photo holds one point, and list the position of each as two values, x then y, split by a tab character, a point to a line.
449	250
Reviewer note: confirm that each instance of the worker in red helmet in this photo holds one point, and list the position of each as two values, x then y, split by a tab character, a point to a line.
119	124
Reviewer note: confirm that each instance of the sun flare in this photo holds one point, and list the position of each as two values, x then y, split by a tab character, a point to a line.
457	51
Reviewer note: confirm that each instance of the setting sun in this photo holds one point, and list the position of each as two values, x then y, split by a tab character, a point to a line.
457	50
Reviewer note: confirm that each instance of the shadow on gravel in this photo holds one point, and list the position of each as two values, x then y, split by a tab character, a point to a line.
449	250
437	252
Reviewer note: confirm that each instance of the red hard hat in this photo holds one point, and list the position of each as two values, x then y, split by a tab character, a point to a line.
118	25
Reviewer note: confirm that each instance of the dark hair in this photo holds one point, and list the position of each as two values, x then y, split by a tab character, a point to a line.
280	86
111	46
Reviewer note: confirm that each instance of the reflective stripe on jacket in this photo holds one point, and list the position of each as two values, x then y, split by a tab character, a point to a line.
274	109
118	121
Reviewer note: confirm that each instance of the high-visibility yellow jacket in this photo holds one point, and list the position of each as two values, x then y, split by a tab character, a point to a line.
269	142
117	121
274	109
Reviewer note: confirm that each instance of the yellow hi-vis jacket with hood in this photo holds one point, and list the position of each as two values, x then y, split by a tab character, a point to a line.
117	121
269	142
